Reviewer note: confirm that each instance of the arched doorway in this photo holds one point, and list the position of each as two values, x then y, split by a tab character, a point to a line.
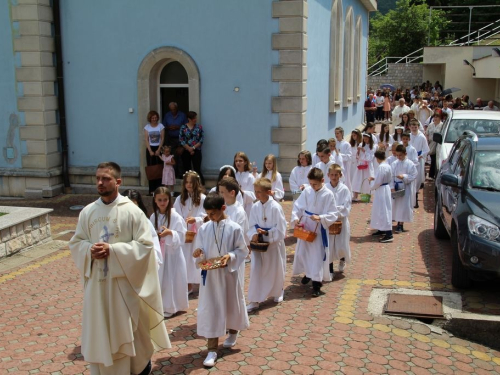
166	74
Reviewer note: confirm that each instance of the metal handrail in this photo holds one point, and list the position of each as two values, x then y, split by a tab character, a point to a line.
453	43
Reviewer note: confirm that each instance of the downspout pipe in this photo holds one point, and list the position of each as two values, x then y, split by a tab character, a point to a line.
60	94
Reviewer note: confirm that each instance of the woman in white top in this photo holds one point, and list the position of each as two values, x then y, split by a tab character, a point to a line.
154	134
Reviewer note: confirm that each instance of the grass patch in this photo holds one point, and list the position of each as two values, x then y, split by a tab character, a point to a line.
3	213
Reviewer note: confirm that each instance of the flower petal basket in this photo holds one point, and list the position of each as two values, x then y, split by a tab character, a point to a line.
260	245
190	236
212	264
304	234
335	228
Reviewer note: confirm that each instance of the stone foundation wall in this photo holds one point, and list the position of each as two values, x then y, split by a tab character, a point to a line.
399	75
25	234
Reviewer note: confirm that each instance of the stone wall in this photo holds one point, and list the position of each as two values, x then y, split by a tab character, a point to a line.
23	228
399	75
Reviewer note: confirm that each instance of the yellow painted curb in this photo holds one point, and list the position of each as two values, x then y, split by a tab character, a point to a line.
403	283
401	332
460	349
381	327
440	343
480	355
421	338
362	323
386	282
342	319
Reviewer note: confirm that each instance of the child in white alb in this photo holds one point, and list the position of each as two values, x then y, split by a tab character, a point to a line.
381	217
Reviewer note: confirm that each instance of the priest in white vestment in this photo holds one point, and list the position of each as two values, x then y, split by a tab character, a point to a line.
398	111
122	308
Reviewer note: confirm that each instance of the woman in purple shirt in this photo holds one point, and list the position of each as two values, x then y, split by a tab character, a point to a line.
191	139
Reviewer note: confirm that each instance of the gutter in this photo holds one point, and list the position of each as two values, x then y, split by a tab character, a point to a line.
60	94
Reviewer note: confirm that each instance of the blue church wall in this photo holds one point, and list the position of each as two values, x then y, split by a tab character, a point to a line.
321	123
10	119
104	44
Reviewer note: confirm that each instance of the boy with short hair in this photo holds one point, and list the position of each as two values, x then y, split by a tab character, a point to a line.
404	173
221	304
381	217
411	154
315	210
339	246
327	158
267	270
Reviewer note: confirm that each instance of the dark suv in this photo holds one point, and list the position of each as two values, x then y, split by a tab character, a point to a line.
468	207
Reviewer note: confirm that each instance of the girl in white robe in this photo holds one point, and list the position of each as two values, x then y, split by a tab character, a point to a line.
360	183
385	139
411	155
172	274
316	210
319	146
270	171
246	179
221	305
268	269
404	173
419	143
190	206
339	246
224	172
344	148
381	216
298	178
355	141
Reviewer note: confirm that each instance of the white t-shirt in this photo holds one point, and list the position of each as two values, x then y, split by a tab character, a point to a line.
154	134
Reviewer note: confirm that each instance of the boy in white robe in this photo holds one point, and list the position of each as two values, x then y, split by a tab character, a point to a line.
221	305
339	246
327	158
419	143
381	217
267	271
122	308
411	155
315	210
344	148
404	173
228	189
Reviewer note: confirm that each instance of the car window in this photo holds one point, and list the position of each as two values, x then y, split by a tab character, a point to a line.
455	153
486	170
457	127
463	161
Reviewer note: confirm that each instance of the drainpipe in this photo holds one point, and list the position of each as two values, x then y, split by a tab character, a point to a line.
60	94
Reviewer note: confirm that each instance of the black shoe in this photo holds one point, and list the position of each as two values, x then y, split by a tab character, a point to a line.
422	185
316	292
147	369
399	229
378	233
387	239
416	205
305	280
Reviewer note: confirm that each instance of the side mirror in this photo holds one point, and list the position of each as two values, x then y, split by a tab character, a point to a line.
449	179
438	138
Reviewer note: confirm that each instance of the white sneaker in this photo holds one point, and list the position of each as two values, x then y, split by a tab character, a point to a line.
332	275
252	306
341	266
230	341
210	360
280	298
167	314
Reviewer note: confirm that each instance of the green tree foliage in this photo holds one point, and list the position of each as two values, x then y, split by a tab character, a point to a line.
404	30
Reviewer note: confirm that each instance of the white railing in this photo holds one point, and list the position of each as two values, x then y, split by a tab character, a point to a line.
479	38
381	67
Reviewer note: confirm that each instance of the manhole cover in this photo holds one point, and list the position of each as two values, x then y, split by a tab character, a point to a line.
415	306
78	207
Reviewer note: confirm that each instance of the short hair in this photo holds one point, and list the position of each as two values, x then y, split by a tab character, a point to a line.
379	154
321	144
414	122
174	104
213	201
411	112
340	129
151	114
401	148
335	167
192	115
230	184
307	155
115	169
332	140
325	150
405	134
263	183
315	174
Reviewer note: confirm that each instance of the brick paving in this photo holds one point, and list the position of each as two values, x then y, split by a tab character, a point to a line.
40	313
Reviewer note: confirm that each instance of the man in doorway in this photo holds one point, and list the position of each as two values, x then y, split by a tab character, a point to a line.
173	120
398	111
122	306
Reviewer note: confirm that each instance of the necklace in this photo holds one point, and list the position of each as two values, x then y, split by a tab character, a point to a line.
219	247
264	217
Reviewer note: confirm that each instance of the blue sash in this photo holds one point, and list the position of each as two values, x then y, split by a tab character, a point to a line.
385	184
259	227
204	276
324	235
419	153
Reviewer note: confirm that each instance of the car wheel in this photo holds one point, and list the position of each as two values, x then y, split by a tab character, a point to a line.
439	228
460	277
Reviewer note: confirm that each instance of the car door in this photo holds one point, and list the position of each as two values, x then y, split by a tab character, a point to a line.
451	194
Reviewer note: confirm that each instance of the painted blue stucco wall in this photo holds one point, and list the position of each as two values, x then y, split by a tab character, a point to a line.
9	116
321	123
104	43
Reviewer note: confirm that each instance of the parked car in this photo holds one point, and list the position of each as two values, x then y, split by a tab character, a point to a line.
467	207
479	122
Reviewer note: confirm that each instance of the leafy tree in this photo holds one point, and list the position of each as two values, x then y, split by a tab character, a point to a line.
404	30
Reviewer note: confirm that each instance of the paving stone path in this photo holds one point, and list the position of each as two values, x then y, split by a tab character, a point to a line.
41	302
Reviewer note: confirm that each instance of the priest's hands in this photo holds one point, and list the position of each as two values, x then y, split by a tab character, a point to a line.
197	253
99	250
225	259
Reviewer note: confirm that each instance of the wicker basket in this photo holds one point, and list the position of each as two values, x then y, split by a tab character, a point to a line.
335	228
304	234
212	264
398	194
365	198
190	236
260	245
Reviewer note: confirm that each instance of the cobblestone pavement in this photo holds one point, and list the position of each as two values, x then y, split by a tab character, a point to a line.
40	313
